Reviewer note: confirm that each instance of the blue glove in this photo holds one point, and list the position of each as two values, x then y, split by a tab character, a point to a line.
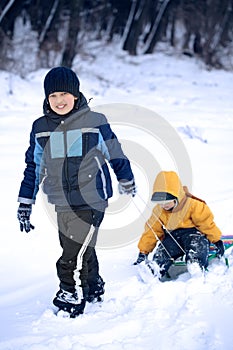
220	248
23	215
127	187
141	257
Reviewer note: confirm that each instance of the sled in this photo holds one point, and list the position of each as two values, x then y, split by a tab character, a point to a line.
179	266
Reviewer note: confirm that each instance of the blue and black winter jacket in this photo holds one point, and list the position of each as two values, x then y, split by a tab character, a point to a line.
68	154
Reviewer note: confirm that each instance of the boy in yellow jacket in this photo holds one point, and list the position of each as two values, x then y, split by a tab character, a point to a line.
180	223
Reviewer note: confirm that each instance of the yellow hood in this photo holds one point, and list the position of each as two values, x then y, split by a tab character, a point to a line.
169	182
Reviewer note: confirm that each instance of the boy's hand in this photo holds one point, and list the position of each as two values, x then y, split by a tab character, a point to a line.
23	215
127	187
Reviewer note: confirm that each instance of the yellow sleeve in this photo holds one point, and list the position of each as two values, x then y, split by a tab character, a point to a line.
203	220
152	231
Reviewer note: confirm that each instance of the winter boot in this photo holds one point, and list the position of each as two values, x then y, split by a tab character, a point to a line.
69	302
96	290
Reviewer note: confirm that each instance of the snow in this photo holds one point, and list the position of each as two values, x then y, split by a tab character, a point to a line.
170	113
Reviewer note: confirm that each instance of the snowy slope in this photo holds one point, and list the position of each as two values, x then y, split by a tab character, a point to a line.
188	314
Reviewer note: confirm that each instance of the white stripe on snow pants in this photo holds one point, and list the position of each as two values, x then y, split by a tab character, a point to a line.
78	264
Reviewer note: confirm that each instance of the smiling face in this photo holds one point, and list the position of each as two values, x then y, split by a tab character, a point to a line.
62	102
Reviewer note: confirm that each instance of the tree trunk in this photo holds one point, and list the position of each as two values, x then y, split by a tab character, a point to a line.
48	22
128	42
134	25
215	32
6	9
71	42
152	38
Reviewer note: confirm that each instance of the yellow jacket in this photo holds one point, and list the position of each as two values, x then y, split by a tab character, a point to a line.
190	212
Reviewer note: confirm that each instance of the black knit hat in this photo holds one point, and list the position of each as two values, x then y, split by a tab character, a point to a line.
61	79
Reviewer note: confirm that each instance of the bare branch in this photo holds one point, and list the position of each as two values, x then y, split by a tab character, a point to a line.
156	25
8	6
48	22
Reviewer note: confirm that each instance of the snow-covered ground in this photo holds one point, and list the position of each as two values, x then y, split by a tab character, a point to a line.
170	113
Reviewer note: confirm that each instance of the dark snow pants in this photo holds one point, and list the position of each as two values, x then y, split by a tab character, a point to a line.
78	267
189	242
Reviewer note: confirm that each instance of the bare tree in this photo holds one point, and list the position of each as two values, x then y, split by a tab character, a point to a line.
134	25
60	27
151	41
71	41
6	9
48	21
217	23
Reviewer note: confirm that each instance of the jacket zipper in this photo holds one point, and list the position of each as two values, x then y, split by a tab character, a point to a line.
65	155
85	137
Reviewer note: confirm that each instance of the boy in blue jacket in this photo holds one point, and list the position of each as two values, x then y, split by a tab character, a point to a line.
69	146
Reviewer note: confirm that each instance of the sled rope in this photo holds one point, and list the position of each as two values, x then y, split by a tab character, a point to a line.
154	233
163	226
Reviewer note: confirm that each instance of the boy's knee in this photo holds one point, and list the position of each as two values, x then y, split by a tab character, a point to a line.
67	264
198	255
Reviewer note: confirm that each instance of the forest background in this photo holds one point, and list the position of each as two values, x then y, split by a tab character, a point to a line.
55	31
